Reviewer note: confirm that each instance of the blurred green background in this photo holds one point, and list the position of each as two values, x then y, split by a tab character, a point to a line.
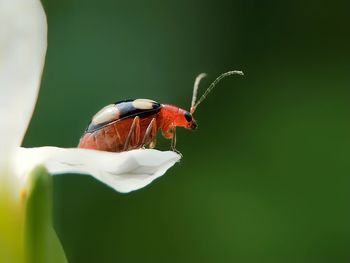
265	178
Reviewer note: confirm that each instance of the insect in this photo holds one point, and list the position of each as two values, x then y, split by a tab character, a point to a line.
132	124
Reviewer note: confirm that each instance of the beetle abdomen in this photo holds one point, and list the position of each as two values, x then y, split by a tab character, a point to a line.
110	127
112	138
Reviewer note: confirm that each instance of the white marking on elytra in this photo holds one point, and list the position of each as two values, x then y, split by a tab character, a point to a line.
106	114
143	104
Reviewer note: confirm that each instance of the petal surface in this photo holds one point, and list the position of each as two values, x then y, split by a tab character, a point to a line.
23	33
124	172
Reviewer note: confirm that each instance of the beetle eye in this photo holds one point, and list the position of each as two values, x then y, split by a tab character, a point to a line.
188	116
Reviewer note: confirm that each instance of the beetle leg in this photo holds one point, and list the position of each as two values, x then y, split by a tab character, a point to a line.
153	135
118	144
167	131
173	139
150	134
135	140
171	134
134	133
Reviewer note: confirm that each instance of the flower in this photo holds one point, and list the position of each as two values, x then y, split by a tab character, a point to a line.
23	42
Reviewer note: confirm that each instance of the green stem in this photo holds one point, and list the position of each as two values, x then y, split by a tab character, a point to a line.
42	244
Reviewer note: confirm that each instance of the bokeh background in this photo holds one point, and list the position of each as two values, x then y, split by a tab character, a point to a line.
265	178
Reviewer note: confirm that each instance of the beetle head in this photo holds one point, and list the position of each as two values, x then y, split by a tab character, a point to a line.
190	121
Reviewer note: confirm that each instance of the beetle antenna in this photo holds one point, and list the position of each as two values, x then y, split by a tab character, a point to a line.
211	87
195	88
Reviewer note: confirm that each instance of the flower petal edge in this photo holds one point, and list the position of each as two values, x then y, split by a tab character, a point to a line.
124	172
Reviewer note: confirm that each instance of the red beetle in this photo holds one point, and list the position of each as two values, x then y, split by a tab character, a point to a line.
132	124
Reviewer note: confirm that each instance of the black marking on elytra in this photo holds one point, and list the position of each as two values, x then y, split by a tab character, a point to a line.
121	101
126	110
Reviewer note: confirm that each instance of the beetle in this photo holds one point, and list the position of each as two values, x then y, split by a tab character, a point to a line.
132	124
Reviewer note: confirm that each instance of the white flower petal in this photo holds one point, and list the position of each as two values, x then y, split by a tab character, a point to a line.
124	172
23	32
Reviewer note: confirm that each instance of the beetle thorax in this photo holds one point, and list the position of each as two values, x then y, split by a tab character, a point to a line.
171	116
